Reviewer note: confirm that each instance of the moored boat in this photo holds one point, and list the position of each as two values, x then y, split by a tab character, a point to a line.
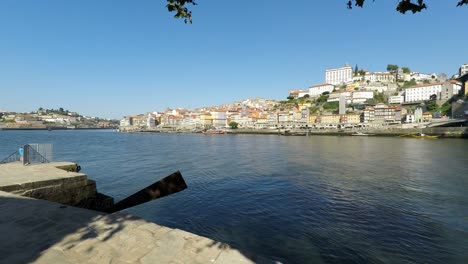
361	134
214	132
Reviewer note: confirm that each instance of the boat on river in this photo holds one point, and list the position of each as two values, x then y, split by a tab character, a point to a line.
420	135
214	132
361	134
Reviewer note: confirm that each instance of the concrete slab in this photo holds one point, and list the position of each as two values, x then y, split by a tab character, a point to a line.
18	176
39	231
47	181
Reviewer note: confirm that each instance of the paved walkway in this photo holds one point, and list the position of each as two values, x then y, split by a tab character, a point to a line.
38	231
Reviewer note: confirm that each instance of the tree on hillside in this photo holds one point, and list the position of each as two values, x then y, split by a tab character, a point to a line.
431	106
393	68
405	69
410	83
181	10
356	69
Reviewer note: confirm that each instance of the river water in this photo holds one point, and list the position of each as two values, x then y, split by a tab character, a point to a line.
290	199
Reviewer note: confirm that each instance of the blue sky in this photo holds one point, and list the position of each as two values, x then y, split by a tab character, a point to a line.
111	58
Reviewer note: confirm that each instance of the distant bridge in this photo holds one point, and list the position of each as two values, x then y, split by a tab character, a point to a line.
448	122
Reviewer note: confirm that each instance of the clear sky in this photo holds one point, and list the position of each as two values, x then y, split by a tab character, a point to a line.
110	58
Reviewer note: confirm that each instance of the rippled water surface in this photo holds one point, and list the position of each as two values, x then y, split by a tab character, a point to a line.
289	199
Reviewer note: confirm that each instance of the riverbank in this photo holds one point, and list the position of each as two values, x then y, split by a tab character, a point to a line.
55	128
442	132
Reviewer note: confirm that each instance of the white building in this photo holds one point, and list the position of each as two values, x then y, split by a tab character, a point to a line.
219	119
379	77
150	121
422	92
397	99
126	121
419	77
463	69
298	93
339	75
335	97
361	96
318	89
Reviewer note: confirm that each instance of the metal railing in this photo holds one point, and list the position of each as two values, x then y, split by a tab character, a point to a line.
13	157
31	153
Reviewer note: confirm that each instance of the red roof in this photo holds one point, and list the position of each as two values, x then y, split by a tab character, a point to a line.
322	84
425	85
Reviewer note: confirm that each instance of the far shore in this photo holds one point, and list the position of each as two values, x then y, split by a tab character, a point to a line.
442	132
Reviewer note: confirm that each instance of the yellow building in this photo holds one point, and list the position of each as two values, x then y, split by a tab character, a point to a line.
426	117
304	105
206	119
350	119
328	119
312	119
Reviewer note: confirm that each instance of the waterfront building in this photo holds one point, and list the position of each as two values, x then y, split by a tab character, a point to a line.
426	117
318	89
423	92
219	118
329	119
272	119
368	115
385	114
418	113
312	119
126	121
284	118
206	120
339	75
150	121
350	119
410	118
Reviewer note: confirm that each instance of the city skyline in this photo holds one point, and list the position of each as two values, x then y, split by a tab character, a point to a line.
110	60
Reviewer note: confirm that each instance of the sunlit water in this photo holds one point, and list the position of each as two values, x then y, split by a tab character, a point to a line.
289	199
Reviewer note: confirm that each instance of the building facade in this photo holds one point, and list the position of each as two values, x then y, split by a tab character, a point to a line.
379	77
422	92
463	69
339	75
397	99
317	90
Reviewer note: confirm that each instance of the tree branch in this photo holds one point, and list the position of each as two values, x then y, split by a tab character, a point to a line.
179	6
403	6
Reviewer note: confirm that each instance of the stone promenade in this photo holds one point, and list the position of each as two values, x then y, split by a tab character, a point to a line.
38	231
